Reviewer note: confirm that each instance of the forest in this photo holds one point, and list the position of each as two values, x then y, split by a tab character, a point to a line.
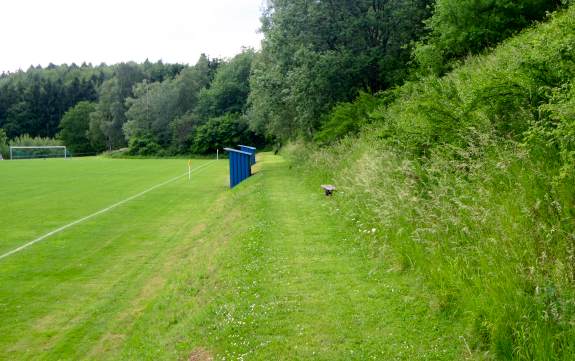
457	117
154	108
314	57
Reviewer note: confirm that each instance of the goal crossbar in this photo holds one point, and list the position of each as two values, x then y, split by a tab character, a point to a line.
38	147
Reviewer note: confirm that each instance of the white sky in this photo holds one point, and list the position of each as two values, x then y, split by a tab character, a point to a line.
36	32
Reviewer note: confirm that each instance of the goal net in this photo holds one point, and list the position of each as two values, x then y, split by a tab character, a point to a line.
30	152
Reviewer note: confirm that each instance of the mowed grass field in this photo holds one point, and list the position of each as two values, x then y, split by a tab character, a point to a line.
60	296
194	271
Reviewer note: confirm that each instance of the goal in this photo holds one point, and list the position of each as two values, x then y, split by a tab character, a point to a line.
46	151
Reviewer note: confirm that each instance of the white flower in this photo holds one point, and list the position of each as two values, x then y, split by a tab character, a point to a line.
373	230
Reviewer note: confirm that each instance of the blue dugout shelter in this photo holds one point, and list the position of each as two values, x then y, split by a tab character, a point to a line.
251	150
240	166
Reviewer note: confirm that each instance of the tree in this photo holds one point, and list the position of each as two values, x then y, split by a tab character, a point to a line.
191	81
229	90
151	110
183	130
461	27
316	54
3	143
19	119
96	134
161	112
108	118
225	131
110	114
74	127
34	101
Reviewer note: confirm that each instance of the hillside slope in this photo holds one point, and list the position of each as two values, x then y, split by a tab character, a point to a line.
470	179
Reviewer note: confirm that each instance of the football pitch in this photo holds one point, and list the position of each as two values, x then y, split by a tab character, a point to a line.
81	238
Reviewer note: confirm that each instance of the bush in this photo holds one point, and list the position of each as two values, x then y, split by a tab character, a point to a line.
143	145
226	131
347	118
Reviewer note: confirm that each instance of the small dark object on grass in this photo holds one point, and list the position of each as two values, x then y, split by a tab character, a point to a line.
328	188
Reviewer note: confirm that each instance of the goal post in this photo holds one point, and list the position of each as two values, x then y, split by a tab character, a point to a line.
44	151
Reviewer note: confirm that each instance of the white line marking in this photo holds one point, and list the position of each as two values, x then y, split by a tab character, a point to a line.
24	246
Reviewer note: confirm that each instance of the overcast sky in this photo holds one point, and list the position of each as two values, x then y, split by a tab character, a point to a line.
36	32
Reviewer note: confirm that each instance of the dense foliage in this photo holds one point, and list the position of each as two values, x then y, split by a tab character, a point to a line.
469	179
74	128
33	102
3	143
153	108
461	27
318	53
192	112
29	141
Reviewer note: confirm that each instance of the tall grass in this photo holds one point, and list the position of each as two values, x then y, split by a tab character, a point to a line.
469	179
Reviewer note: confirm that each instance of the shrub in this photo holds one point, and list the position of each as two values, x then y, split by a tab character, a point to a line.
347	118
143	145
226	131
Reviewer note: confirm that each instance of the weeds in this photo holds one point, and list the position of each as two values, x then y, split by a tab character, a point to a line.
469	180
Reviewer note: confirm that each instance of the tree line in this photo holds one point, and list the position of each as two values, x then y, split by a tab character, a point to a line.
316	56
319	55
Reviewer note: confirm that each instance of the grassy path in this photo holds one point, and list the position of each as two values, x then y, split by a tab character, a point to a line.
287	279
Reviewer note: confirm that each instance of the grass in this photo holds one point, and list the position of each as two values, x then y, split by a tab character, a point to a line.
60	296
488	242
41	195
470	179
269	270
297	285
